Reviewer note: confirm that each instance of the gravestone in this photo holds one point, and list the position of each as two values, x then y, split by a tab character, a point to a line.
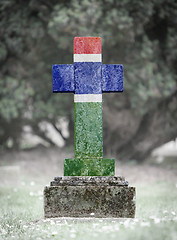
88	187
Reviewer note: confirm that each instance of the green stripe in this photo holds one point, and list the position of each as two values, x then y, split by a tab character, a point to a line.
89	167
88	143
88	130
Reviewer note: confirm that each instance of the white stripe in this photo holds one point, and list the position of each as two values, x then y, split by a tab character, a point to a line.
87	58
87	97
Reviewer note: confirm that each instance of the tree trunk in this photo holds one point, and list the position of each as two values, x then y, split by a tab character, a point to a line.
155	128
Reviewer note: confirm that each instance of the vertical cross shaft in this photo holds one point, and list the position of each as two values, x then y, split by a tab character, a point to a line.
88	78
88	98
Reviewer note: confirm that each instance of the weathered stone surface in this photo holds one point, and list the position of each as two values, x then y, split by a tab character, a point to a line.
89	167
88	78
96	196
88	129
88	180
93	199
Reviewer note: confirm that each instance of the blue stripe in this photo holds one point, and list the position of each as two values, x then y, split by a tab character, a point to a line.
87	77
63	78
112	78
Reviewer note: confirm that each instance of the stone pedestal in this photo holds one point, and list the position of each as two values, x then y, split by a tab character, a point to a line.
89	197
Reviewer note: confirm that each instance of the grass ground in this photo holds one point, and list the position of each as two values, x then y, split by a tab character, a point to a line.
21	203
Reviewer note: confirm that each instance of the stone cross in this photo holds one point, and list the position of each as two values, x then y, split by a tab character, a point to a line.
88	78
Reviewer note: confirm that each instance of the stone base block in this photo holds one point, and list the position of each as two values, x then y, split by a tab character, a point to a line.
100	197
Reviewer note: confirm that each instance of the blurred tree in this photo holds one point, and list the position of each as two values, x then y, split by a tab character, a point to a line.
139	34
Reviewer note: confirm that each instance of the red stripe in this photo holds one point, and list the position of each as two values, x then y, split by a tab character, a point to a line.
87	45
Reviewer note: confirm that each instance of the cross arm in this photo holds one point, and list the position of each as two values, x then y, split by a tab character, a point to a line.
112	78
63	78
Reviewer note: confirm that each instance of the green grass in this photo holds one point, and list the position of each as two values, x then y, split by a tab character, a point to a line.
21	216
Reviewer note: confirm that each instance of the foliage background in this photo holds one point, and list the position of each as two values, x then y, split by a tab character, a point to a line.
139	34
